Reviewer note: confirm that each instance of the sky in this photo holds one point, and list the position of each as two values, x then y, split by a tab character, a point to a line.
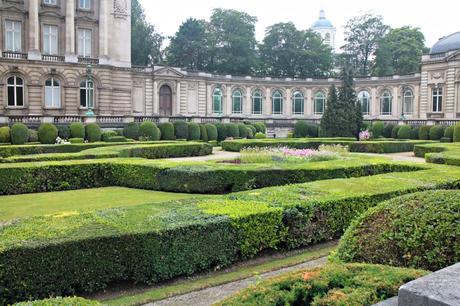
436	18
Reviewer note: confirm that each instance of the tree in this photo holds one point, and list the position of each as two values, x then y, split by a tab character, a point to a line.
327	125
362	37
189	46
146	43
400	51
232	42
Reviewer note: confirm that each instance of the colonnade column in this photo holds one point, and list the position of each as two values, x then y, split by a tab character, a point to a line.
70	52
34	31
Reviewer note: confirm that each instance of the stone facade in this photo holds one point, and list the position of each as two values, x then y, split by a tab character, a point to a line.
47	46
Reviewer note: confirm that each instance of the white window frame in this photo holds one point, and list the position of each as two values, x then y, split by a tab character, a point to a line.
88	87
84	4
217	93
298	97
15	87
53	91
364	95
50	2
85	43
237	94
277	96
50	39
319	96
257	95
386	95
437	99
15	28
408	94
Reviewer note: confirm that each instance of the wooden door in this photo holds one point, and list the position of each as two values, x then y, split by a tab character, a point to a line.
165	101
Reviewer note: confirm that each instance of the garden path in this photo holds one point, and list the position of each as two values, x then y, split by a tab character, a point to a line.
217	154
404	156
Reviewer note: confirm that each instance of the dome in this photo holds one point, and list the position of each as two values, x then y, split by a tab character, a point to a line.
446	44
322	22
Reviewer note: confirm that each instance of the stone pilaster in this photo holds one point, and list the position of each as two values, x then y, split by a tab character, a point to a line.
70	51
178	93
247	106
104	32
34	32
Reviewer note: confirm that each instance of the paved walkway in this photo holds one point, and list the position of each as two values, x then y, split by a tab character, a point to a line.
402	156
213	295
217	154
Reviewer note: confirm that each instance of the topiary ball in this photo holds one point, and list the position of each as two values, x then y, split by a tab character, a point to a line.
77	130
93	132
404	132
456	137
203	133
242	130
449	132
212	131
414	133
221	131
250	133
108	134
33	135
5	134
436	132
419	230
181	129
194	132
47	133
388	130
300	129
149	130
63	131
260	136
167	131
394	131
131	130
19	134
377	129
424	132
232	130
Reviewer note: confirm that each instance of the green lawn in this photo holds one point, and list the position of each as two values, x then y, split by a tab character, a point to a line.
27	205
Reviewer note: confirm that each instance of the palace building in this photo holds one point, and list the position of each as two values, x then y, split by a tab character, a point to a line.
65	60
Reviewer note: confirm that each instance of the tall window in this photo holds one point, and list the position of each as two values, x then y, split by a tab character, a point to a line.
437	99
320	103
364	98
408	102
327	39
50	40
237	102
84	42
52	93
257	103
84	4
277	103
386	103
13	36
87	94
217	101
15	89
50	2
297	103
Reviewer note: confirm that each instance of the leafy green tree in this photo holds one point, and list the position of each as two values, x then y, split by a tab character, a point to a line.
362	37
189	47
146	43
232	42
400	51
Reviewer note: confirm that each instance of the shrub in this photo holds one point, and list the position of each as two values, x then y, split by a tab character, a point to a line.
131	130
404	132
449	132
76	140
260	136
242	130
414	133
63	131
118	139
181	129
250	133
418	230
19	134
446	139
203	133
167	131
221	131
377	129
260	127
388	130
394	131
232	130
194	131
313	130
93	132
149	131
212	131
436	132
300	129
47	133
108	134
424	132
253	129
68	301
33	135
77	130
5	134
456	133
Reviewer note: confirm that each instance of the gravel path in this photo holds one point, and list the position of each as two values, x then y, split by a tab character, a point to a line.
217	154
402	156
213	295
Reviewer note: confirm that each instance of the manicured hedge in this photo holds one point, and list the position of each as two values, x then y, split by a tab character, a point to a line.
5	134
77	130
332	285
149	131
243	130
457	133
439	153
203	133
377	129
418	231
449	132
232	130
131	130
69	301
436	132
19	134
394	131
194	131
424	132
93	132
404	132
301	129
260	135
181	129
414	133
47	133
388	130
212	131
33	135
260	127
63	131
221	131
167	131
106	135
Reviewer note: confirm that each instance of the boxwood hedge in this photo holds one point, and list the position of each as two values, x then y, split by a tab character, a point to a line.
439	153
19	134
68	301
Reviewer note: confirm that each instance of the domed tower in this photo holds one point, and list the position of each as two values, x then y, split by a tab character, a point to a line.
324	27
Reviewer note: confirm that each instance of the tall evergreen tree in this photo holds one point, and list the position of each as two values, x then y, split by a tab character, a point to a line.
359	118
328	124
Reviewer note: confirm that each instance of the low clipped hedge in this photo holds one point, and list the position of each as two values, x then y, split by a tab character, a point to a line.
19	134
108	134
47	133
420	230
77	130
439	153
167	131
333	285
59	301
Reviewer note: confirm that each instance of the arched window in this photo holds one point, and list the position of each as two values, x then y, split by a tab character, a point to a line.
320	103
87	94
297	103
386	100
217	101
437	99
15	89
364	98
257	103
237	102
277	103
52	93
408	102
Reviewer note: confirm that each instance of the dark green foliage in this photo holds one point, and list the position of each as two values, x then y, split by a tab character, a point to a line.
5	134
212	132
19	134
301	129
424	225
194	131
456	133
394	131
33	135
108	134
332	285
131	130
232	130
377	129
404	132
167	131
203	133
181	129
149	131
424	132
253	128
449	132
63	131
221	131
388	130
77	130
446	139
414	133
242	130
436	132
260	127
93	132
69	301
47	133
250	133
313	130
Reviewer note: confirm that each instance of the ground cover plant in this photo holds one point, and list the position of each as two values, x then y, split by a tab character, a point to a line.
334	284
